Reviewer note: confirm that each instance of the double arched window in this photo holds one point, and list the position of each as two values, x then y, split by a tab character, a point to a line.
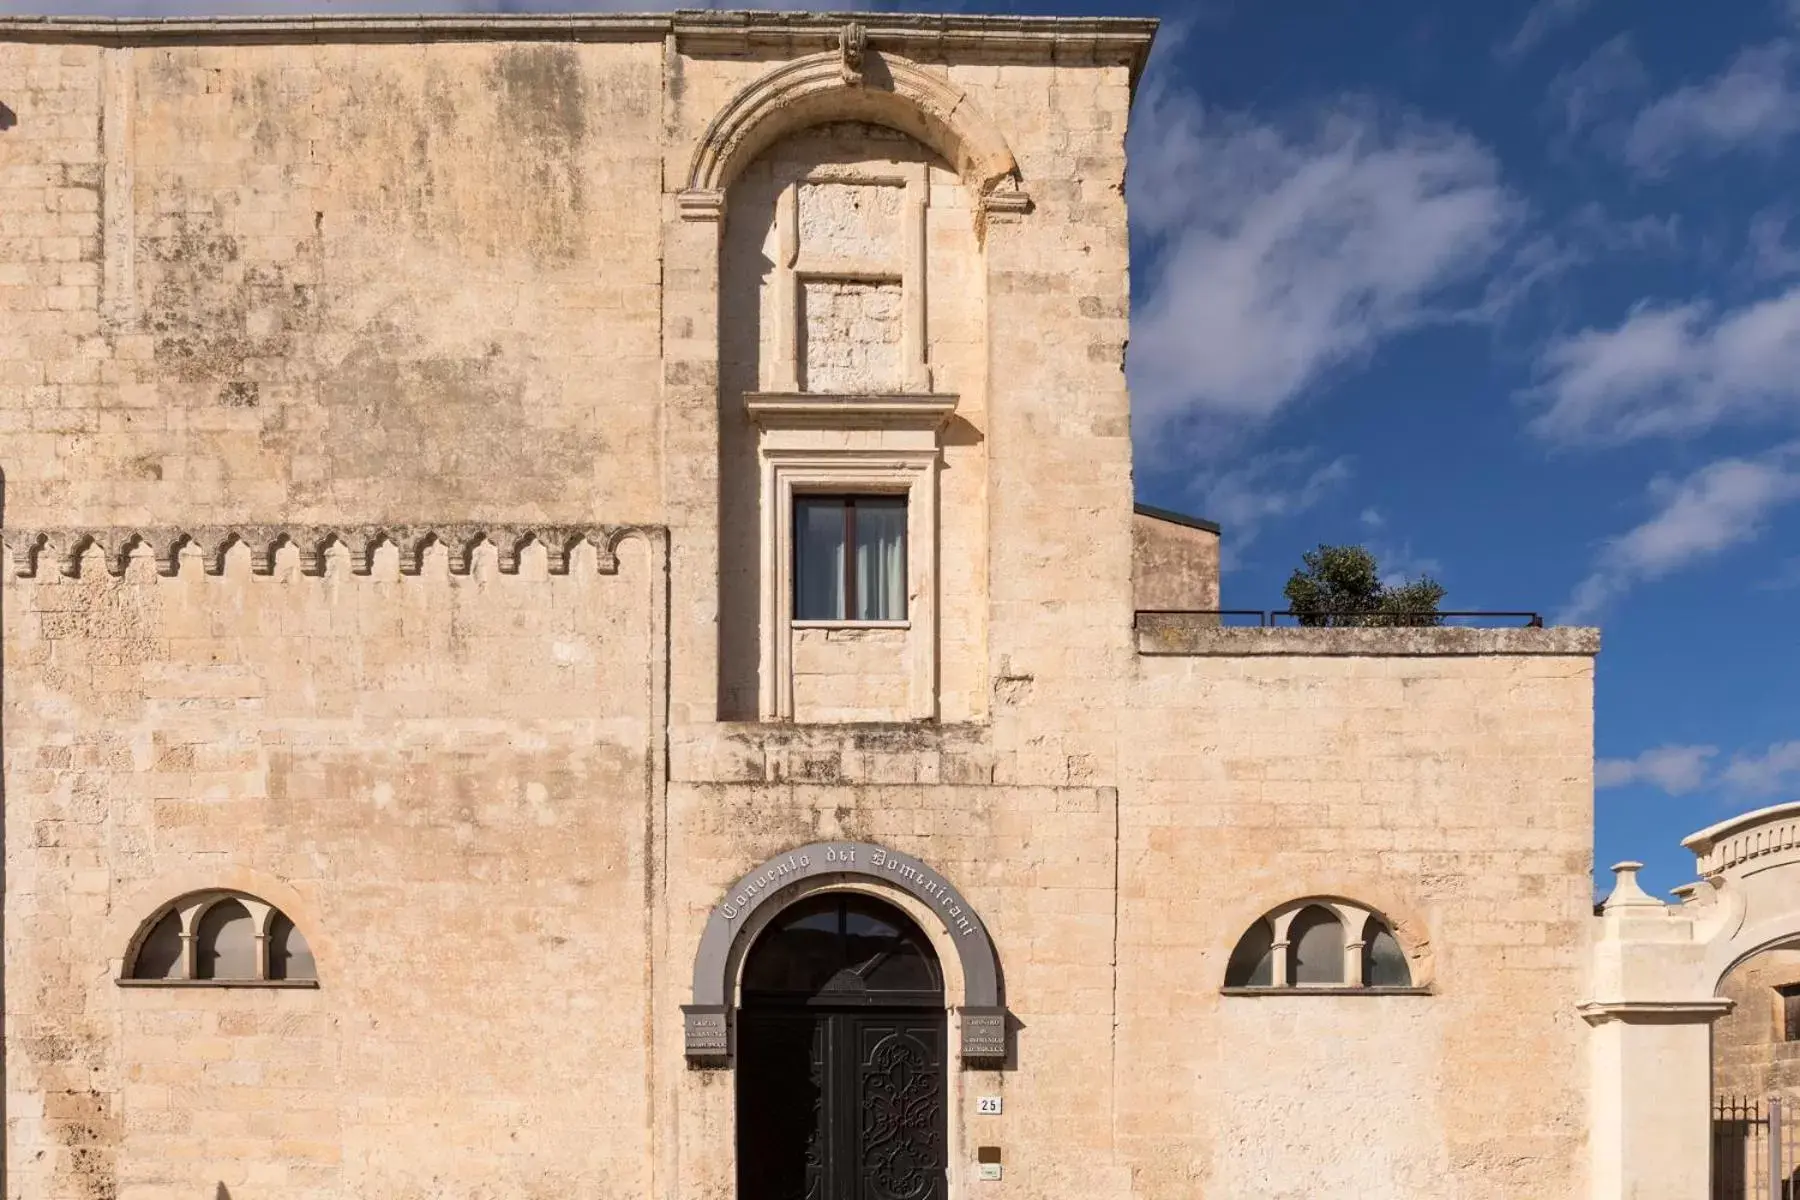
223	938
1319	943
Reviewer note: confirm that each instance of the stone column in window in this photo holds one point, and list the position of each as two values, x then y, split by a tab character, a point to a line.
260	917
1278	949
1355	923
190	926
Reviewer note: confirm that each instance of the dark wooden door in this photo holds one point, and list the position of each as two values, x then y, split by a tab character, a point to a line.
841	1104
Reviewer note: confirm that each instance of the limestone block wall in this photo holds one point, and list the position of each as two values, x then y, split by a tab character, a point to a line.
362	281
839	324
440	777
1036	862
1751	1055
1174	562
325	282
850	675
1446	785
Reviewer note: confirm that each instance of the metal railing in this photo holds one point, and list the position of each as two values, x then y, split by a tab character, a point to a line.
1753	1149
1358	619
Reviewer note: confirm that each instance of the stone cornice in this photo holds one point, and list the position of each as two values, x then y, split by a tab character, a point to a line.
161	551
817	410
1654	1012
242	30
1069	41
1200	635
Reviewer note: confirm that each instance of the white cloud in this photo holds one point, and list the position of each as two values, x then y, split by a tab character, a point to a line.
1775	770
1593	225
1545	18
1676	770
1601	88
1268	487
1771	255
1786	578
1672	370
1721	505
1679	770
1400	566
1753	104
1372	518
1275	256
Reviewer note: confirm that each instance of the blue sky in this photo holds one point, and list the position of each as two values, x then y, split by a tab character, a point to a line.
1508	292
1511	294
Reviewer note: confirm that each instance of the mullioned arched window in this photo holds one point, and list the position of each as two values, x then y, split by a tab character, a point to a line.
220	938
1319	944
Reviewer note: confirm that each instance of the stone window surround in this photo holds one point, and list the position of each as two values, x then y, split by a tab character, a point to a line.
847	444
795	267
1354	919
192	909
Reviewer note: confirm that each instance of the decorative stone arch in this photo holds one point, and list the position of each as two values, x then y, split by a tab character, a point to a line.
1352	902
732	925
879	89
1748	897
141	905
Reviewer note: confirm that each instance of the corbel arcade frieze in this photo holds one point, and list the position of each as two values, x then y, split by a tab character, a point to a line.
454	549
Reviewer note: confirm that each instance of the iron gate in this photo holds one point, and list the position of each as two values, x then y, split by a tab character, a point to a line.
1755	1144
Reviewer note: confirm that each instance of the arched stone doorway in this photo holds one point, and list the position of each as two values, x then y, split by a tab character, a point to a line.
842	1072
731	929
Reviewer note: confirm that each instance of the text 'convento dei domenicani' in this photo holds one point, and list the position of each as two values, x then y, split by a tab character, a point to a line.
916	878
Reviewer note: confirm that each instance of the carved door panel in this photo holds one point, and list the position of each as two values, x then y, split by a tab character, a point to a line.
784	1083
841	1105
898	1118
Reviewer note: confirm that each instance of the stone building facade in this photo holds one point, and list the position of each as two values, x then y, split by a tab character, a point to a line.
434	749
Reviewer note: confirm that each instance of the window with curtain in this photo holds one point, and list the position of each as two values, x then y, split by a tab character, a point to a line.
849	558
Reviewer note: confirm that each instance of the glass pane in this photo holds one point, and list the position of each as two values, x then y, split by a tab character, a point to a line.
226	943
289	955
843	946
1252	963
1384	963
160	955
886	952
818	559
880	558
1316	942
800	952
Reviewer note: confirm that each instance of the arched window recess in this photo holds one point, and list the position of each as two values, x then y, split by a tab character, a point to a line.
1320	946
219	939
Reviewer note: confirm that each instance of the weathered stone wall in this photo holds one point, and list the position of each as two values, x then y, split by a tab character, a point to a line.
454	282
1174	565
437	776
1450	792
330	282
1751	1054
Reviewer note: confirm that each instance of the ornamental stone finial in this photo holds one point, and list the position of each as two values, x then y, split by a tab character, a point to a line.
853	40
1626	892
